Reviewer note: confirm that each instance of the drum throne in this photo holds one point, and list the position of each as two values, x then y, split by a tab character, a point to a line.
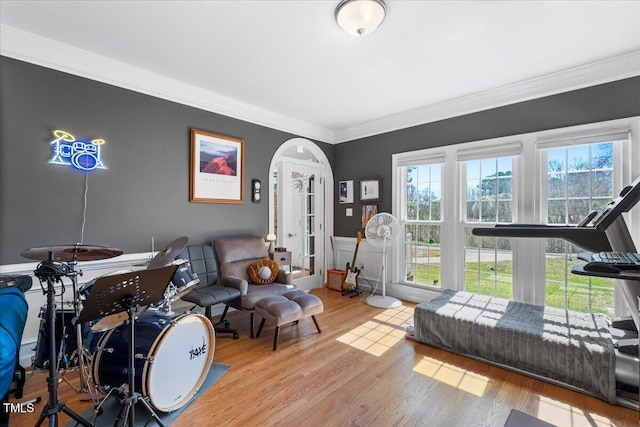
208	293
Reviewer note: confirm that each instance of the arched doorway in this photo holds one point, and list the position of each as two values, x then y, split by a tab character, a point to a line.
301	208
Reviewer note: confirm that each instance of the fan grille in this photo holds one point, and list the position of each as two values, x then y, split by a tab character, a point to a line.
382	228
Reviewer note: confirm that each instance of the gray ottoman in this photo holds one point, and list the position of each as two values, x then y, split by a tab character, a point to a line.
287	308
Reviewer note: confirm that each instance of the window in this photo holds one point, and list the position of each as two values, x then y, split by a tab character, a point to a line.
488	261
549	177
423	216
579	180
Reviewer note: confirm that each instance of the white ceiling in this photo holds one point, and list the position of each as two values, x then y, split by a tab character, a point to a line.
287	64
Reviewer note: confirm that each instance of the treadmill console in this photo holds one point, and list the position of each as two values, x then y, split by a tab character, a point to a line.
629	196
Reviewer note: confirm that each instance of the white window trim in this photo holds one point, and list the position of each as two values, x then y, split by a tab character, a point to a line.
529	276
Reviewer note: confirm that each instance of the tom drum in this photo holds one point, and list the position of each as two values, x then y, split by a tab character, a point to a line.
65	338
183	279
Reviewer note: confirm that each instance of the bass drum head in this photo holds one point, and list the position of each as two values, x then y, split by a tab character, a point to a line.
182	356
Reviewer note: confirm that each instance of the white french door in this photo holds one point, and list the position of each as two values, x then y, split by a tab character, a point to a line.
301	219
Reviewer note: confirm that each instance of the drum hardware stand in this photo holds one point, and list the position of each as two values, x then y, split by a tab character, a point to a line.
51	272
127	411
62	356
168	295
98	407
80	350
84	361
128	292
82	353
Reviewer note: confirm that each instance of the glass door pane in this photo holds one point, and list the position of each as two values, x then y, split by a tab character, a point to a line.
302	213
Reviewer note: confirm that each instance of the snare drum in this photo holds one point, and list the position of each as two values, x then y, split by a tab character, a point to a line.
183	279
113	320
66	334
177	352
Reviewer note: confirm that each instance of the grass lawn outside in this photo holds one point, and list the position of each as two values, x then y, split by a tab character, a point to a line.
581	293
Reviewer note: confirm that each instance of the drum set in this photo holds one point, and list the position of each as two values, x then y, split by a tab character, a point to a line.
121	333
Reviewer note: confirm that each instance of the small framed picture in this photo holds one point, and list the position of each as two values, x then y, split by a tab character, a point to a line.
346	191
370	189
368	212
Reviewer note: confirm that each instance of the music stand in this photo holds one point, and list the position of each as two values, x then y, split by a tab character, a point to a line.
127	292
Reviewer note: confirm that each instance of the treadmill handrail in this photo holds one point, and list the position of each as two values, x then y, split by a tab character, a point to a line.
588	238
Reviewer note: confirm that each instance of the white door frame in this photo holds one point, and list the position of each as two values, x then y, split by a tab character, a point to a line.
328	191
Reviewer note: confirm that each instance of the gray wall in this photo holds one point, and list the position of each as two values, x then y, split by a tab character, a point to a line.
371	156
144	193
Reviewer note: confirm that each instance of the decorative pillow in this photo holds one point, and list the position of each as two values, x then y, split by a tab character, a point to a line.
263	272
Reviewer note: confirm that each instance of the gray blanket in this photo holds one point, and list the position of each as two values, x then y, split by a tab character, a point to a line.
568	347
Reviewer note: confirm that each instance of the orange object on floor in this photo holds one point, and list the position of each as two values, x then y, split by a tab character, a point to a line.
335	278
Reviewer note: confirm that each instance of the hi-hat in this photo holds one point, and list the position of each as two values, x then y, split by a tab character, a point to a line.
66	253
169	253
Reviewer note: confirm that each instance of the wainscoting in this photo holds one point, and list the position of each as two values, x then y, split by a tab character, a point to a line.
90	270
370	257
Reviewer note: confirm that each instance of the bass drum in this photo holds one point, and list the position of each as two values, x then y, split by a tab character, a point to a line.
177	352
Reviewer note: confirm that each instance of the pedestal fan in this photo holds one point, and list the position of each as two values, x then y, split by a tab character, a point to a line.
382	230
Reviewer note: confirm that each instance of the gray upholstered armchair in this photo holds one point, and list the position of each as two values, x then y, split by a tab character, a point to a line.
208	292
235	255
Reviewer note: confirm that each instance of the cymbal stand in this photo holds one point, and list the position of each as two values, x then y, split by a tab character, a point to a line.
51	272
63	359
84	355
81	352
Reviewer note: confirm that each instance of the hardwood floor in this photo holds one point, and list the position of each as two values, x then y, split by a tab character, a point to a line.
360	371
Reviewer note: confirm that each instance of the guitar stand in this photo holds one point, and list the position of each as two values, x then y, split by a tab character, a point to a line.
355	292
353	270
128	292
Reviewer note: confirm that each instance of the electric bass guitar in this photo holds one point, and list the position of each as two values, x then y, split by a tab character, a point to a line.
351	281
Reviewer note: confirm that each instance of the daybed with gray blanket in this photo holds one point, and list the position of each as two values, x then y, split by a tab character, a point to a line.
571	348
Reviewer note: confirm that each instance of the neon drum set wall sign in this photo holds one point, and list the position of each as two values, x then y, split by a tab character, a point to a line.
80	154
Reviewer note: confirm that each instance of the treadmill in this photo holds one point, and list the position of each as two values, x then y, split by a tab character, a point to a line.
605	231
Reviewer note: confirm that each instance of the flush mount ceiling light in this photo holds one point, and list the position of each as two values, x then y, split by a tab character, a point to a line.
360	17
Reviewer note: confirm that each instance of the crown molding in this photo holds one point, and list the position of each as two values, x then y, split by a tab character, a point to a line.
41	51
599	72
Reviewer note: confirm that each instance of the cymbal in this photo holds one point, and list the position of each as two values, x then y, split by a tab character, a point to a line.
169	253
65	253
